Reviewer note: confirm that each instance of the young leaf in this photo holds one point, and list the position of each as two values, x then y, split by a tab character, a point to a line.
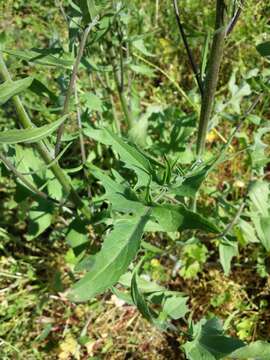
177	218
31	134
40	218
119	249
227	250
120	195
140	301
176	306
11	88
130	155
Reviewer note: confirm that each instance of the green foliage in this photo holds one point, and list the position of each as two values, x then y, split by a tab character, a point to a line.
130	133
29	135
119	249
11	88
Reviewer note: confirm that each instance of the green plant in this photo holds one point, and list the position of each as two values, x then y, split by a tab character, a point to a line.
146	192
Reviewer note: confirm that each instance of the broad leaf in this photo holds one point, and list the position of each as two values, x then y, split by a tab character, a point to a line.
176	306
265	226
29	135
119	249
190	186
77	235
259	195
258	350
210	343
11	88
40	218
177	218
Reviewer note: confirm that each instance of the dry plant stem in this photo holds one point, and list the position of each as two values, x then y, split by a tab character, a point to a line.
41	147
71	85
211	79
189	53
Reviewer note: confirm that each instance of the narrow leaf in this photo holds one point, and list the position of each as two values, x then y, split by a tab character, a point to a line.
41	57
31	134
11	88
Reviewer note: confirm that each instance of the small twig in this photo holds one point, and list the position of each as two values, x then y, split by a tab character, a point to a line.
62	10
188	50
231	224
234	20
72	81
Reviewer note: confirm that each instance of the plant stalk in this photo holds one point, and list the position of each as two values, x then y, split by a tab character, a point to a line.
40	146
211	79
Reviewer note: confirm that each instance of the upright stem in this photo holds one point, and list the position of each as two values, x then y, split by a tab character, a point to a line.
211	79
41	148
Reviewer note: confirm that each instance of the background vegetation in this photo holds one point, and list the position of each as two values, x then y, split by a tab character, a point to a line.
40	255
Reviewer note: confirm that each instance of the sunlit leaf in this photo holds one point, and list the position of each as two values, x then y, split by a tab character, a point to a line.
29	135
119	249
11	88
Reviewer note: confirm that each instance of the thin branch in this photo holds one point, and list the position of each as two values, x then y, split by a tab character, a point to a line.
83	153
188	50
232	223
82	146
234	20
72	81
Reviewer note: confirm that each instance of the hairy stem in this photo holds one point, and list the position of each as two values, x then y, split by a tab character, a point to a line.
211	79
